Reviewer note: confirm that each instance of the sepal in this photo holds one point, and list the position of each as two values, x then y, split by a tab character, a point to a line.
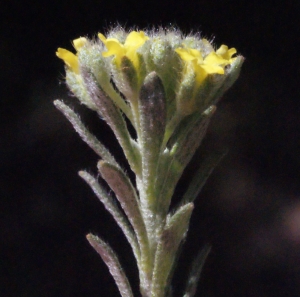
232	74
185	103
130	75
77	87
91	60
205	95
162	59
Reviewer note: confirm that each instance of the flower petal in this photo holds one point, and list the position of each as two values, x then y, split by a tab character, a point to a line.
69	58
212	68
135	40
102	37
213	58
79	43
201	74
195	53
114	47
226	53
184	54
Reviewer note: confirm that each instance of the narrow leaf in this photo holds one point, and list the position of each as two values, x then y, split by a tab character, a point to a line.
196	270
188	144
127	196
207	165
173	233
84	133
184	147
113	209
153	113
111	260
114	119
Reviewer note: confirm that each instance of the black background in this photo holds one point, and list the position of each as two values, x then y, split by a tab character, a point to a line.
250	208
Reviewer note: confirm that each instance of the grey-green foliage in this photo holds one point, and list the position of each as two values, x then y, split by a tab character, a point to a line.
159	93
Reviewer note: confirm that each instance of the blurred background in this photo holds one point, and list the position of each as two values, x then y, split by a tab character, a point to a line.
249	209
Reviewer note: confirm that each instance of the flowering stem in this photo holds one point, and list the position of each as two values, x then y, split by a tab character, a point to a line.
166	85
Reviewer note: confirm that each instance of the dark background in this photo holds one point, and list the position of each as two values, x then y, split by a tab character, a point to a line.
250	208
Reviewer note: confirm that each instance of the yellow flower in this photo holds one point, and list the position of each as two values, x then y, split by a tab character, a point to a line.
68	57
226	53
212	63
133	41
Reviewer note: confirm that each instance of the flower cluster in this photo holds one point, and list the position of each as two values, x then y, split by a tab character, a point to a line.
166	85
186	66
